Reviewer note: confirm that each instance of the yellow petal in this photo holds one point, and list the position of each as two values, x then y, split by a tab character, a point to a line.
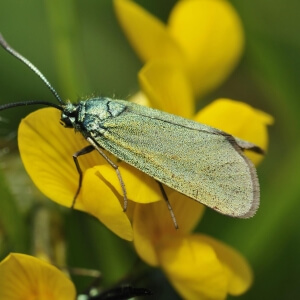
240	120
211	37
46	149
152	223
147	35
193	268
102	195
167	87
188	212
140	98
26	277
102	201
140	187
239	272
143	234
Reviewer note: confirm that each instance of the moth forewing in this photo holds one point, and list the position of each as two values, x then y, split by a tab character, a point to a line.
199	161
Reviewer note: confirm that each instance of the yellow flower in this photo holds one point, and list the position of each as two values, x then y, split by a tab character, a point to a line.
192	54
26	277
203	37
46	148
199	267
188	57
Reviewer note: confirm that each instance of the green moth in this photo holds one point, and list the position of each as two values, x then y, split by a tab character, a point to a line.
199	161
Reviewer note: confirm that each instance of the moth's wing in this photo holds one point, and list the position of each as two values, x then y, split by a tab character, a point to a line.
199	161
249	146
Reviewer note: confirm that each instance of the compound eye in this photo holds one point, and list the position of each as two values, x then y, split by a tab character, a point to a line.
66	121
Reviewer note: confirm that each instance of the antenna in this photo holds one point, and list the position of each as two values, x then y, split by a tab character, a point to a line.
24	60
30	102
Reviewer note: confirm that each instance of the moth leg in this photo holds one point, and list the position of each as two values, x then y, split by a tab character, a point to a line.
95	146
168	204
83	151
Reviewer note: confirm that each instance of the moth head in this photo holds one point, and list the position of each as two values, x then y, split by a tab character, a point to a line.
69	116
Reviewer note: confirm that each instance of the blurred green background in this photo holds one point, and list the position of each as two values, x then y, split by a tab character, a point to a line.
81	49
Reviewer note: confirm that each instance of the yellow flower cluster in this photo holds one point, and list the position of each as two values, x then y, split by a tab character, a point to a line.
183	60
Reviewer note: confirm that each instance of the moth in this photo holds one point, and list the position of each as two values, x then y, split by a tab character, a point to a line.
199	161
